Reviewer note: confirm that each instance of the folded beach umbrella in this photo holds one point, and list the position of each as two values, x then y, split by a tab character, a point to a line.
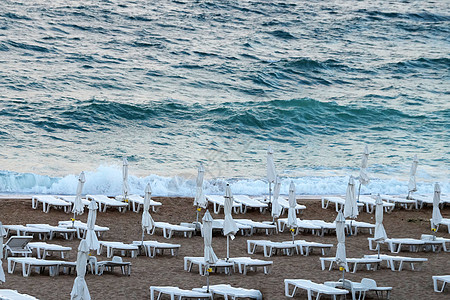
412	176
380	234
292	217
271	172
80	290
126	188
200	199
78	206
91	237
229	225
276	207
147	221
436	218
210	256
350	205
341	259
2	273
363	176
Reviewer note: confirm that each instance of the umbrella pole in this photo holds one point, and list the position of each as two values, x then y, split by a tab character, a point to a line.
207	278
197	215
292	231
378	247
270	192
73	220
228	247
359	192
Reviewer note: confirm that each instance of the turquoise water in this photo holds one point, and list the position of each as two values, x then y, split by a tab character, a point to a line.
174	83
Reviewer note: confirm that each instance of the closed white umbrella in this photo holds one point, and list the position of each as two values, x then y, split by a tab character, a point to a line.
209	255
380	234
350	205
412	176
436	218
276	207
91	237
363	175
341	258
78	206
80	290
147	220
292	216
200	199
2	273
271	172
229	225
126	188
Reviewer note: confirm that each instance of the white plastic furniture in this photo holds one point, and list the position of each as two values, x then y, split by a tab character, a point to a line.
6	294
17	245
190	261
268	227
284	203
48	249
354	288
71	199
177	293
111	247
370	204
42	233
311	289
306	248
246	264
233	293
444	279
218	202
271	248
302	225
49	201
81	228
152	248
445	222
369	262
399	201
371	285
169	229
354	226
66	233
137	201
247	202
396	263
338	202
105	202
98	267
30	262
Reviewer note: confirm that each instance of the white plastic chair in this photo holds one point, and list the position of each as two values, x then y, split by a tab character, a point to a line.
371	285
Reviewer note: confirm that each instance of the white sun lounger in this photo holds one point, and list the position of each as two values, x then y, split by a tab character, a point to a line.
353	226
98	267
117	246
326	227
369	262
338	202
284	203
311	288
245	264
17	245
354	287
169	229
49	201
247	202
67	233
218	202
268	227
190	261
370	204
153	247
244	229
14	295
228	292
307	248
71	199
176	293
302	225
428	238
445	221
48	249
444	278
81	228
106	202
413	245
27	230
395	263
270	248
400	201
30	262
136	202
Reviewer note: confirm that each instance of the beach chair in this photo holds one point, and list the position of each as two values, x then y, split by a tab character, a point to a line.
106	202
444	279
218	202
49	201
306	248
152	248
218	225
245	264
301	225
111	247
48	249
6	294
30	263
177	293
71	199
353	226
284	204
352	263
396	263
268	227
66	233
354	288
325	227
226	291
42	233
429	238
98	267
136	202
369	202
81	228
220	265
247	202
169	229
271	248
16	245
444	221
400	201
371	285
311	289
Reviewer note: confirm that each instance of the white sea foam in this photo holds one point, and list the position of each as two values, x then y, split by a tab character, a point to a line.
108	180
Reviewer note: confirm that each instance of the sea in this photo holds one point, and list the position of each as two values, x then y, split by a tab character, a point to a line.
170	84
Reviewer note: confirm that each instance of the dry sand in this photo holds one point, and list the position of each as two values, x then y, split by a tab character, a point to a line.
167	270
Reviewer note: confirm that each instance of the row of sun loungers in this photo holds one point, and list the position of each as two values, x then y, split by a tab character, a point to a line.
302	247
395	245
6	294
222	290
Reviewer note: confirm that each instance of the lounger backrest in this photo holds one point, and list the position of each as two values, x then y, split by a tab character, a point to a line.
426	237
18	242
117	259
369	283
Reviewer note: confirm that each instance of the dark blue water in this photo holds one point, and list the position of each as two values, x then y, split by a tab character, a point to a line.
172	83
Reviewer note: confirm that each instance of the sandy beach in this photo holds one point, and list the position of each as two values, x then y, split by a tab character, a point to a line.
167	270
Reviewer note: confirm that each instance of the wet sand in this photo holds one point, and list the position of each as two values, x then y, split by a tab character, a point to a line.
167	270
